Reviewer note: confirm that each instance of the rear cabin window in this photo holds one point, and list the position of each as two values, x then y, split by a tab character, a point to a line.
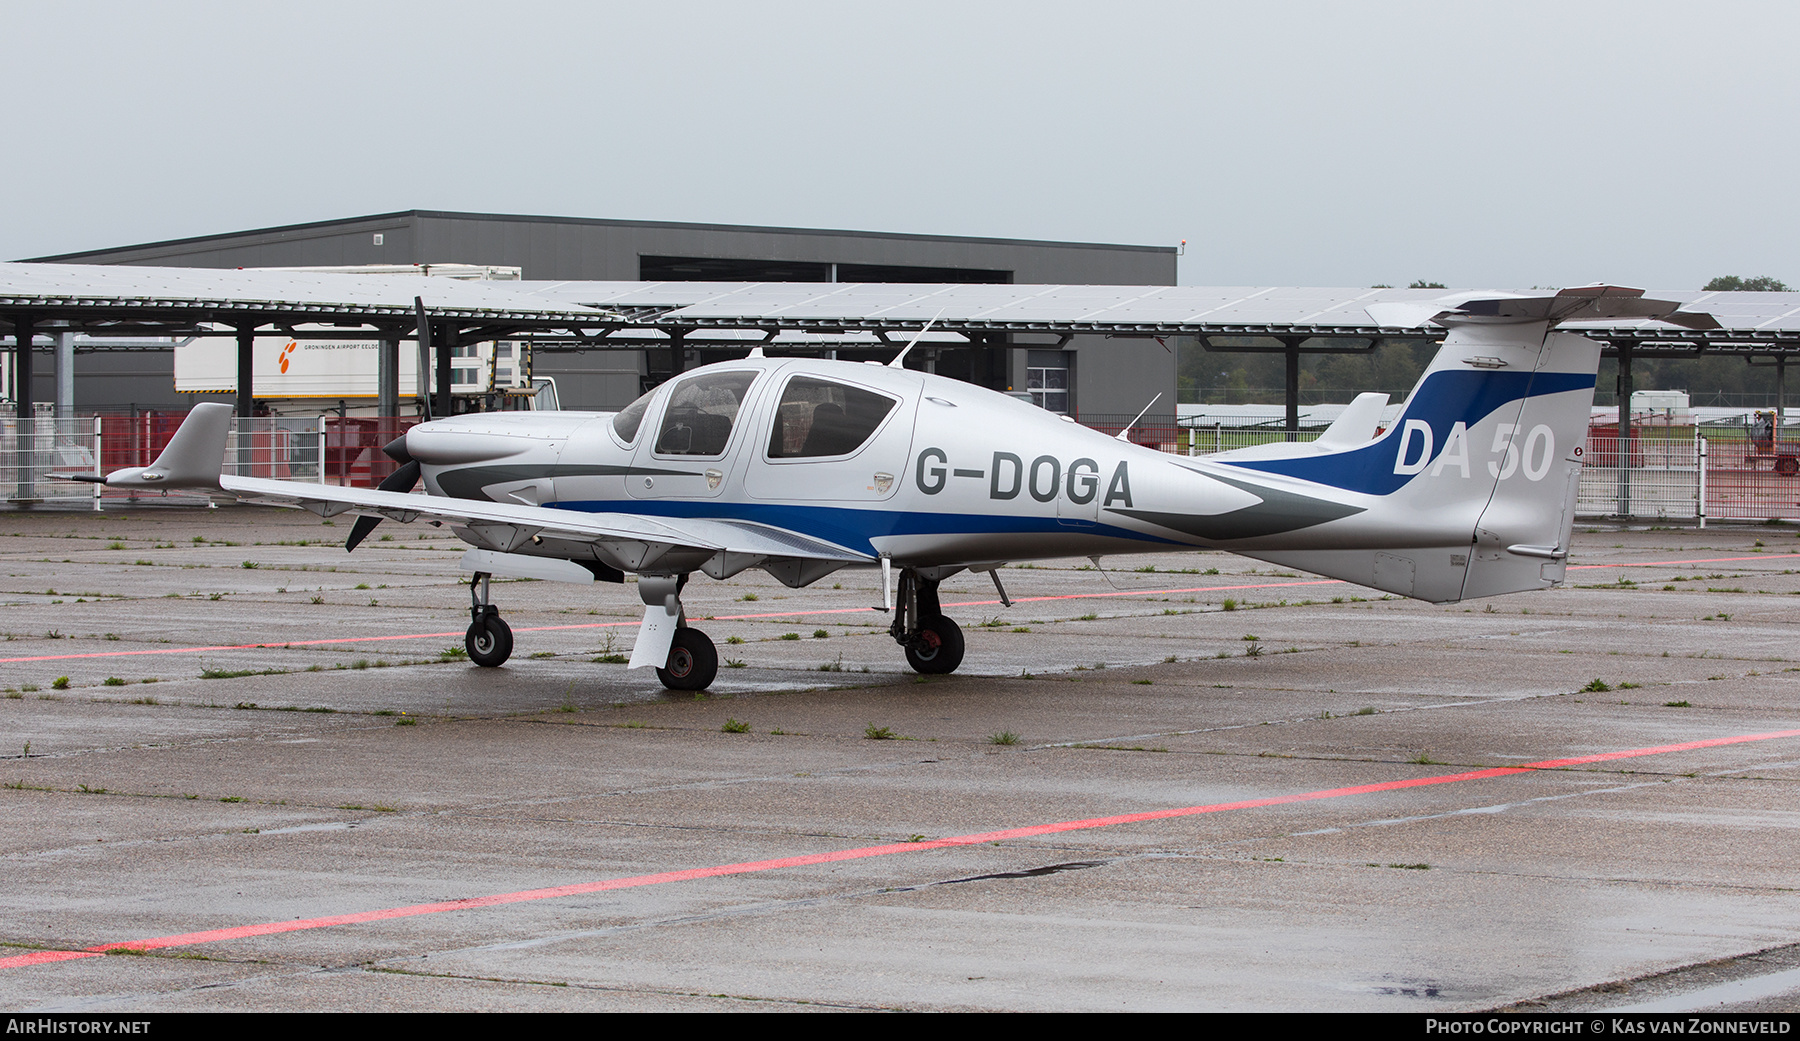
700	413
821	418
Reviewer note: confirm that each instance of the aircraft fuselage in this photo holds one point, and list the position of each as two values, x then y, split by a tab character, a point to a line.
949	474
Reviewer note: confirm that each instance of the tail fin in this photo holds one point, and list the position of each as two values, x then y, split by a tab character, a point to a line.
1472	492
193	458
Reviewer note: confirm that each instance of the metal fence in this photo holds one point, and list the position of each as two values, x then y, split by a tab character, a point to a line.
48	445
1669	474
1750	478
1168	433
320	449
1681	475
1660	478
1151	431
1216	437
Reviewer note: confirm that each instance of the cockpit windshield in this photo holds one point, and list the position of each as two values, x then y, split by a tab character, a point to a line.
626	423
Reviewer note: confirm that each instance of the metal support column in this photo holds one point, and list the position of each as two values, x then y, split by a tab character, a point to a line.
1780	400
445	374
246	371
387	375
246	398
26	424
65	375
1293	388
1625	440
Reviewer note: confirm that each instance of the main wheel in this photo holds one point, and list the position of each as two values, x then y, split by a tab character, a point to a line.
489	641
1787	465
939	649
693	661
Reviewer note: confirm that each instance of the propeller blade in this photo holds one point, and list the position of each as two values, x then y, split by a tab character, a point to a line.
360	531
401	480
424	333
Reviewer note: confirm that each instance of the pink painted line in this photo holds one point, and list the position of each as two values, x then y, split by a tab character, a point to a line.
797	612
1672	563
859	853
804	612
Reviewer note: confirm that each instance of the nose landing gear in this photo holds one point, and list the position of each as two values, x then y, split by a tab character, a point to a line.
933	643
489	640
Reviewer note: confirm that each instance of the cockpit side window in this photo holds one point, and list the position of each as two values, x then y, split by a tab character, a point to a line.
700	413
822	418
626	423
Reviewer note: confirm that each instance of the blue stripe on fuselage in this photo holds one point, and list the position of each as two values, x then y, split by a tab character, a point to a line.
854	528
1445	399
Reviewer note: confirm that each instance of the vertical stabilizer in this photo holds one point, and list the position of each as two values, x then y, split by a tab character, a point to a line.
193	458
1471	492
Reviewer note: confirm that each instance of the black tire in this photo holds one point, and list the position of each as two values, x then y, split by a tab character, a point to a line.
1787	466
939	650
693	661
489	642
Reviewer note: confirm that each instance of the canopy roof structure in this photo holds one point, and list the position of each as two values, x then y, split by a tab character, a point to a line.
130	301
137	300
1145	310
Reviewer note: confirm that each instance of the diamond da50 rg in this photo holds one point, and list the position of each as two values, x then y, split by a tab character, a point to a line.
802	467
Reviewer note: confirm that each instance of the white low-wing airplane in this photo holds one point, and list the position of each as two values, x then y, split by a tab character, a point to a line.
801	467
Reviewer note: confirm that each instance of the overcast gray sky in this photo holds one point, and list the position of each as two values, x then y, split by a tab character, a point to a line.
1478	144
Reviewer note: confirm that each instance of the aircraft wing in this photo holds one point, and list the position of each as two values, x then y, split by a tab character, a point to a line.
627	542
604	543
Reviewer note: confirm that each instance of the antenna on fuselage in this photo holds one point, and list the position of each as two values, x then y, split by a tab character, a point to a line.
898	358
1122	435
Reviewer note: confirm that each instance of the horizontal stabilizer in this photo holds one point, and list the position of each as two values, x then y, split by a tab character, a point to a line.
1579	304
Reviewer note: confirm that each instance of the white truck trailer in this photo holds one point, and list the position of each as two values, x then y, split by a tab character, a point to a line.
306	375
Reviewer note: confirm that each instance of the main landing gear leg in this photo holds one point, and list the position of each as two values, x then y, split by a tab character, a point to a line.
490	640
933	643
684	658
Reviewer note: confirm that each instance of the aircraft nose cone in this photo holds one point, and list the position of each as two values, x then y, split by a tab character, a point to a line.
488	436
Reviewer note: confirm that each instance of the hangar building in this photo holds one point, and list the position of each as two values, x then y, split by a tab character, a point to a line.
1081	375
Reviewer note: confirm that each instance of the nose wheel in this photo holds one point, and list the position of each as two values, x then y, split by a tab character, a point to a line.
490	640
937	649
933	643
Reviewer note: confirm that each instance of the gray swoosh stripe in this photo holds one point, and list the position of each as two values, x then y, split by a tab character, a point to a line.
1279	511
467	482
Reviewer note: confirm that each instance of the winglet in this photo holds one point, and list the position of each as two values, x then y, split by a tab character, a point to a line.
193	457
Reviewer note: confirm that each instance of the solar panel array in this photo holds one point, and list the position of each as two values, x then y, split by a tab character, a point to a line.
49	289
